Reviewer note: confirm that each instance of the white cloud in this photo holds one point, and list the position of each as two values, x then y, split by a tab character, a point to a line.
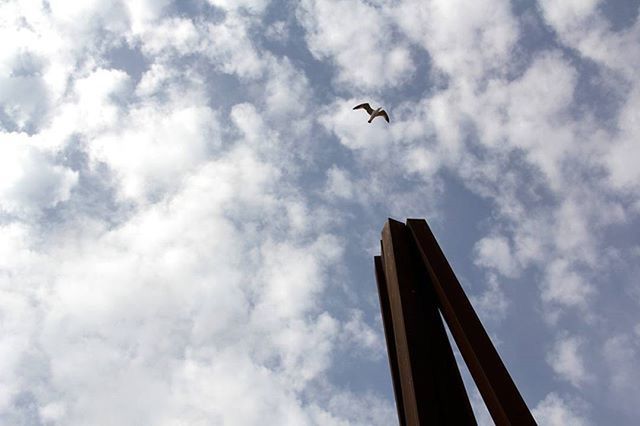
285	264
358	410
464	45
567	361
554	410
252	6
359	39
227	44
357	333
230	48
422	161
83	16
53	412
624	152
153	80
339	183
179	35
287	91
492	303
99	98
33	67
203	400
566	287
535	103
30	180
183	309
495	252
155	147
144	13
22	98
620	353
205	290
584	28
581	26
530	114
275	143
569	14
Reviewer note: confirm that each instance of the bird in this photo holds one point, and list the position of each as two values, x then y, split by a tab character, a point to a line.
373	113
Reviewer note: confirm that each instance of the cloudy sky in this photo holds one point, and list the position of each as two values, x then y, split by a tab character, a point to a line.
189	207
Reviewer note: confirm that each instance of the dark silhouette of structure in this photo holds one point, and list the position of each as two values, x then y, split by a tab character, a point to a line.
416	285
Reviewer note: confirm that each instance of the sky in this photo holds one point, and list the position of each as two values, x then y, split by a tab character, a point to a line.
189	206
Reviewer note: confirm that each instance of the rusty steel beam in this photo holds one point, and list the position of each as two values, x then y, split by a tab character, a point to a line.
499	392
431	390
385	309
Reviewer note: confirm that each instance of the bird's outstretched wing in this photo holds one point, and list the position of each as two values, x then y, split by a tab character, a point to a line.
366	107
384	114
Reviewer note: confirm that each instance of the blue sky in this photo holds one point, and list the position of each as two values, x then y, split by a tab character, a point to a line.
189	207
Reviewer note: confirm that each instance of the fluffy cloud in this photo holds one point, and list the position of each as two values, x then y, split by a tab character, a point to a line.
358	38
98	99
186	318
464	45
495	252
580	26
620	159
554	410
357	330
492	303
30	180
204	290
567	361
339	184
620	352
565	287
252	6
157	148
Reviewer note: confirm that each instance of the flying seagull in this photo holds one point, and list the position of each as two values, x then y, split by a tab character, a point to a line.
373	113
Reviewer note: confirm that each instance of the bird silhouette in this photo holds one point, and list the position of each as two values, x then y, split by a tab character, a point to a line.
373	113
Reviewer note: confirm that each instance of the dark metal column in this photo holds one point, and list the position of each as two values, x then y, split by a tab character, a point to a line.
390	338
498	390
430	387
